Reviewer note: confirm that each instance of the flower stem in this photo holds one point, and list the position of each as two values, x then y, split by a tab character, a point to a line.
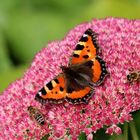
125	131
133	130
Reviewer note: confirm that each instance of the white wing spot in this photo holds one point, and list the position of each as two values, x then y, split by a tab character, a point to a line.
85	35
40	94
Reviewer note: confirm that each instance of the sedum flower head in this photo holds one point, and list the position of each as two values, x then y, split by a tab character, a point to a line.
111	104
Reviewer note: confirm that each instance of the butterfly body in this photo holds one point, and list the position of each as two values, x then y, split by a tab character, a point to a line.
78	76
77	81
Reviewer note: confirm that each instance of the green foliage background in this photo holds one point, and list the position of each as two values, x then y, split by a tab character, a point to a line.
27	26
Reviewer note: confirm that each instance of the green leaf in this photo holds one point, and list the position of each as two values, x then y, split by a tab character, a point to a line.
45	137
136	116
82	136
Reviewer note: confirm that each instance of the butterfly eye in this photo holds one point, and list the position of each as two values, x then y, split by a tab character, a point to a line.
65	69
62	67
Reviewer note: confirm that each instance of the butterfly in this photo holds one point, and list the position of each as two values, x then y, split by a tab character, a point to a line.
77	81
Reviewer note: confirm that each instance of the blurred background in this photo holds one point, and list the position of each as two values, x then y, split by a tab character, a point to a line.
27	26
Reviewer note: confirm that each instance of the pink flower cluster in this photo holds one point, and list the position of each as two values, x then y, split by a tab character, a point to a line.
111	104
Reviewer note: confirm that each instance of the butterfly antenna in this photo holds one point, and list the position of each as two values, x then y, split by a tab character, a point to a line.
91	85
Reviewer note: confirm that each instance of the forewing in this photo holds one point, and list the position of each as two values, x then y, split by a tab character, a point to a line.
53	92
86	49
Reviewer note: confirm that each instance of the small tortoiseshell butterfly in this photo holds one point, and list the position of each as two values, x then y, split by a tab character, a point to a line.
85	70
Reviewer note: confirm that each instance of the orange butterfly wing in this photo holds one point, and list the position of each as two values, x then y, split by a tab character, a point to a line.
86	49
53	92
81	96
99	71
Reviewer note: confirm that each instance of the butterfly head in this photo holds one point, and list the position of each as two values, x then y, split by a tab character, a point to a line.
64	68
